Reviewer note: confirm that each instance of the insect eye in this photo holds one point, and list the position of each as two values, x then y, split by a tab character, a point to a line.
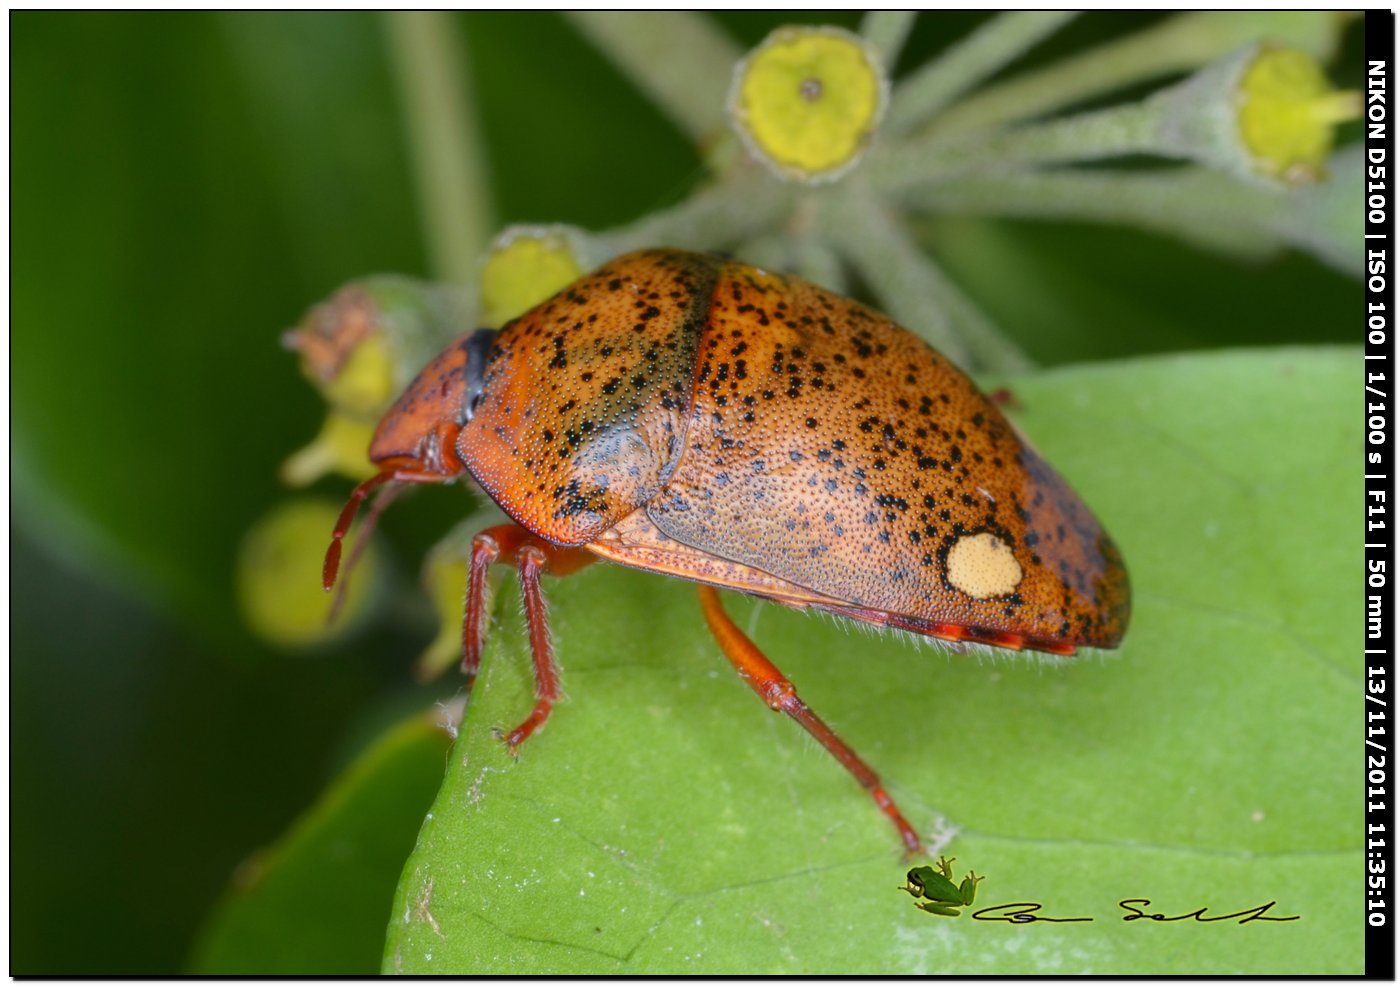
477	346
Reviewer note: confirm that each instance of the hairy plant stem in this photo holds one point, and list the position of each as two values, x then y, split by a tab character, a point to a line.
1177	44
959	69
887	30
1119	130
740	207
1198	205
910	286
682	60
817	261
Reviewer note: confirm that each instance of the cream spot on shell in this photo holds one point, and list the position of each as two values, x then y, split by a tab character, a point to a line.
983	566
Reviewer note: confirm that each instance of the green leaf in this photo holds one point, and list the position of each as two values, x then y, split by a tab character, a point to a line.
316	902
667	822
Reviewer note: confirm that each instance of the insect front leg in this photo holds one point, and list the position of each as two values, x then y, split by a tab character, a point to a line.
485	552
781	696
532	557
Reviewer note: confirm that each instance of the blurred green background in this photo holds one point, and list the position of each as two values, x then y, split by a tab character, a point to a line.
184	186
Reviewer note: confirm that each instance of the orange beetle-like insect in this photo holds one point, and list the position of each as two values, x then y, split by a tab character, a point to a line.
688	414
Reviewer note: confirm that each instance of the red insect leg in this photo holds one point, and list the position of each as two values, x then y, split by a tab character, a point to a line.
532	556
781	696
331	567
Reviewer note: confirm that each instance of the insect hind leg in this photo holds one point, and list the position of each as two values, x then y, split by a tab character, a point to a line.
781	696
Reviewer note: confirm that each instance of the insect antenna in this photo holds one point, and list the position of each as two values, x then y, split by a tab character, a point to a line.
381	503
347	515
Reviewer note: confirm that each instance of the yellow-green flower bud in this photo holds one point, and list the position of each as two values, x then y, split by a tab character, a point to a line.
342	446
360	349
278	576
1288	111
1265	112
446	580
363	346
445	577
364	383
527	264
807	101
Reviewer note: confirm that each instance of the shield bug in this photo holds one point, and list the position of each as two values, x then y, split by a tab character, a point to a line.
687	414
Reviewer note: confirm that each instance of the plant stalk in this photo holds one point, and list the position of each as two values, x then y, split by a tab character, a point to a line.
682	60
454	199
961	68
